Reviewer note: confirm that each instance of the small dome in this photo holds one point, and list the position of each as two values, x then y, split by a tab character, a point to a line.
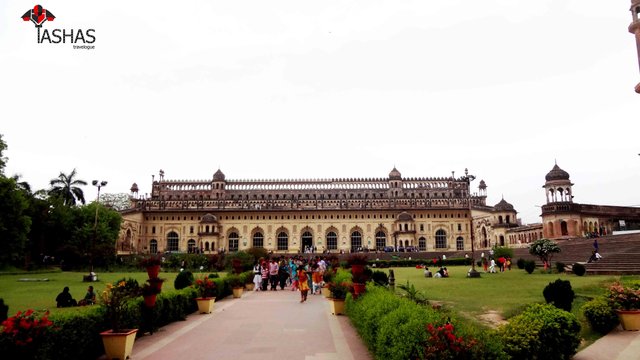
395	174
482	185
557	174
503	206
209	218
134	188
405	216
218	176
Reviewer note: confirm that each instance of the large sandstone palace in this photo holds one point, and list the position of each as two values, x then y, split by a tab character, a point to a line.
290	216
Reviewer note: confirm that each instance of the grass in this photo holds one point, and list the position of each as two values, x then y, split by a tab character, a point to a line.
507	292
41	295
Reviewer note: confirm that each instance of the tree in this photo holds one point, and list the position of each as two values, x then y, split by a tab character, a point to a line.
3	160
116	202
544	249
66	188
14	222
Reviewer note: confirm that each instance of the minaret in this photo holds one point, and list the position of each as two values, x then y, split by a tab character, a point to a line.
634	28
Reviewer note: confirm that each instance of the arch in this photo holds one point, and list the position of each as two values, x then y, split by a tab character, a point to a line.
332	240
422	244
153	246
459	243
257	239
283	241
191	246
564	231
233	241
406	244
501	240
306	239
500	219
173	241
381	240
484	237
356	240
126	244
206	246
441	239
550	227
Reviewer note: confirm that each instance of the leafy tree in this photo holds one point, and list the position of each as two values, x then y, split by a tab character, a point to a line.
14	222
544	249
3	159
99	239
66	187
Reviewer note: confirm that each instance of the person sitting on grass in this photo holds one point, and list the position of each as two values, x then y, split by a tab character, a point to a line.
64	299
89	297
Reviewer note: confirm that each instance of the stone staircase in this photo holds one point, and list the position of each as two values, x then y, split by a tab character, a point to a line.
621	254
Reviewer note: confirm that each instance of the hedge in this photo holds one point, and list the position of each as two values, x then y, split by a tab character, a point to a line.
414	262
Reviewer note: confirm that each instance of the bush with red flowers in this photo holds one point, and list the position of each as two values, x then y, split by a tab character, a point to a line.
444	344
25	330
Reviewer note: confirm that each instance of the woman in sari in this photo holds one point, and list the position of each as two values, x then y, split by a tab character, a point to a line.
303	284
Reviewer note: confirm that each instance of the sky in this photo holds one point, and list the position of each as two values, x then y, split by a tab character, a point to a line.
322	89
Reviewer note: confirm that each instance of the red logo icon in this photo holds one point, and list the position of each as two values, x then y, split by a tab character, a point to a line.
38	15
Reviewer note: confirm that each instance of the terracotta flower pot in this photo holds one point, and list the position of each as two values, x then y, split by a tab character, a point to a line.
150	300
153	271
629	319
359	289
357	269
118	345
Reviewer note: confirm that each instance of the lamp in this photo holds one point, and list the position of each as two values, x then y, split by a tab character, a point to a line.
469	178
99	184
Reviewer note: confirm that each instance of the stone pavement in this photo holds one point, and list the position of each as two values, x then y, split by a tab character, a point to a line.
268	325
617	345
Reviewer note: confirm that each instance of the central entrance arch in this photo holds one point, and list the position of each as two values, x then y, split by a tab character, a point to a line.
307	241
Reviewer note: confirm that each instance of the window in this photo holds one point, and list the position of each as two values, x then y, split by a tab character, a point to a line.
422	244
191	246
459	243
233	241
258	240
172	241
153	246
332	241
381	240
190	229
459	227
283	241
441	239
421	226
206	246
153	229
356	240
307	239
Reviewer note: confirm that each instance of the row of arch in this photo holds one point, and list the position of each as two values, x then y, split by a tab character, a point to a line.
283	241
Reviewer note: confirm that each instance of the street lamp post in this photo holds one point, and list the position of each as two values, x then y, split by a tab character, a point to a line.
634	28
99	184
469	178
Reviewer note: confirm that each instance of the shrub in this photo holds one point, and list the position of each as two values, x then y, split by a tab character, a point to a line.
529	266
234	281
541	332
560	267
560	294
521	263
380	278
502	252
442	343
579	269
601	316
183	280
214	276
401	333
238	262
258	253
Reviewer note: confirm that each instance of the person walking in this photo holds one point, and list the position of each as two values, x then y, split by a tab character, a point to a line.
303	284
257	276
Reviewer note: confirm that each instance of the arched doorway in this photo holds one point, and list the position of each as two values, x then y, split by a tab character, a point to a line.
422	244
307	241
484	237
563	228
381	240
501	240
356	240
153	246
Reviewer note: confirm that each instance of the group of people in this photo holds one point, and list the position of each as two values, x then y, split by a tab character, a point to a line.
441	273
490	264
297	272
64	299
595	254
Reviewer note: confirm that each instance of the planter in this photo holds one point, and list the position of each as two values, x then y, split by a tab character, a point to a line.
250	286
359	289
237	292
118	345
156	283
150	300
337	306
629	319
205	305
326	292
153	271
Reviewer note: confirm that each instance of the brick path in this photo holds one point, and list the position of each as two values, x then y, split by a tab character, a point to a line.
267	325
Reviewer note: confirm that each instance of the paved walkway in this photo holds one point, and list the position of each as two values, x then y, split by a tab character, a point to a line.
617	345
268	325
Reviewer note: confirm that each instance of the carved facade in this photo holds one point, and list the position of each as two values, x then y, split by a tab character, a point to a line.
288	216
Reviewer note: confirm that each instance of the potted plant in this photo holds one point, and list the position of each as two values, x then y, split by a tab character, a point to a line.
149	293
156	283
357	262
206	289
339	293
626	301
236	283
152	264
118	342
327	278
359	281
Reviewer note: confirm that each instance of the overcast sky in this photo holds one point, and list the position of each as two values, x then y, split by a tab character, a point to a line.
320	89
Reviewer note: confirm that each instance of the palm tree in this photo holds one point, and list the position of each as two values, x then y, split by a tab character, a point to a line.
22	185
66	188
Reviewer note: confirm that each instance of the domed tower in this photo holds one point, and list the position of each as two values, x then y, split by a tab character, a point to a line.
558	186
482	188
134	190
634	28
218	184
395	183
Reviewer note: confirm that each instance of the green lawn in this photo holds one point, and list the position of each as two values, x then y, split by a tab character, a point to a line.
41	295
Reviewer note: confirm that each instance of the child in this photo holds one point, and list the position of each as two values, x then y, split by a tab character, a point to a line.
316	279
303	284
